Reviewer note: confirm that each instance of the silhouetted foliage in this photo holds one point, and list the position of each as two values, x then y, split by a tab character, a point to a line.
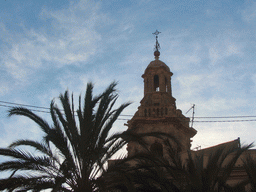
74	149
250	167
179	172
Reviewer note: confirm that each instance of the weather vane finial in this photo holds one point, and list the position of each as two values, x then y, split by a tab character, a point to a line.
157	46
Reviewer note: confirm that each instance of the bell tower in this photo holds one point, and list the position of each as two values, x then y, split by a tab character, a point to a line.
157	111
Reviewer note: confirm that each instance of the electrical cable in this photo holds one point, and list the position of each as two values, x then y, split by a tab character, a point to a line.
23	105
12	104
33	106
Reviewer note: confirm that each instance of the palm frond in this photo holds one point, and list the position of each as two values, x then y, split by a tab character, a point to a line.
28	113
37	145
25	183
72	153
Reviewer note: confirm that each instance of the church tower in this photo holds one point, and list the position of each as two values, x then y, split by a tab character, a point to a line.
157	111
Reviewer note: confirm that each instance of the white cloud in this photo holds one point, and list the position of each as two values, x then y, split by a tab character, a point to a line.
217	105
233	49
253	88
210	134
122	45
15	128
214	54
4	88
210	13
223	47
249	13
182	55
193	85
17	71
69	36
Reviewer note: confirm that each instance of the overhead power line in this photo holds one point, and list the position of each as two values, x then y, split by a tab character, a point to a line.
227	117
37	109
242	120
1	105
228	121
15	104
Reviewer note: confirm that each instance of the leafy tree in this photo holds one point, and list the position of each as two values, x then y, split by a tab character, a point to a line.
74	149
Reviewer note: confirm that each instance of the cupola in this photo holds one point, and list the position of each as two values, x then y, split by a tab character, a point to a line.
157	111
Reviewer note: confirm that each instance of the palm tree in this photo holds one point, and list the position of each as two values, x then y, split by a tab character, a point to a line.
211	173
250	168
193	171
144	171
71	155
201	171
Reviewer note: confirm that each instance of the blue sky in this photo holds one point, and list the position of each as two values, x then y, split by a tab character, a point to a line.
49	46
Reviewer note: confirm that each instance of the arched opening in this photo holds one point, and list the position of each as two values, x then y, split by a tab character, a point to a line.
145	113
157	149
149	112
156	83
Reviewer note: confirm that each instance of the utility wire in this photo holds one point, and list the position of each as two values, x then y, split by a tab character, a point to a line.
253	116
33	106
230	121
12	104
26	105
225	121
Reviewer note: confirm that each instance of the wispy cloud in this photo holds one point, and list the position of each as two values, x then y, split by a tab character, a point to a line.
74	39
221	48
209	48
16	128
249	13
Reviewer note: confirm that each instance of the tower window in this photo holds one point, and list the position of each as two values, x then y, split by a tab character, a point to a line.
145	113
156	83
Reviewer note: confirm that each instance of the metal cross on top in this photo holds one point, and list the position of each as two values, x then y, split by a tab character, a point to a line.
157	46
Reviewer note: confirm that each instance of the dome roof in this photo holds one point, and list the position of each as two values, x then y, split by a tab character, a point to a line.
157	64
